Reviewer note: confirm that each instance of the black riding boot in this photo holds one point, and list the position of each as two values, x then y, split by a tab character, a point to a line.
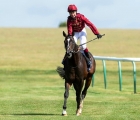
88	60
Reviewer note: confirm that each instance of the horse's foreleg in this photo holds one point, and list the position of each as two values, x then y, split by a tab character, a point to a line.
66	95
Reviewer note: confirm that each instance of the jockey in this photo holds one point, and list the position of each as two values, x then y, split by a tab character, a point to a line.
76	24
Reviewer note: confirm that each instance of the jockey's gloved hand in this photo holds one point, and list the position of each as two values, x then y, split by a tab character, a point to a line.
99	36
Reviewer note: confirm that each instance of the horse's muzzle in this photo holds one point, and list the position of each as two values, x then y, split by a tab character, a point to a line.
69	55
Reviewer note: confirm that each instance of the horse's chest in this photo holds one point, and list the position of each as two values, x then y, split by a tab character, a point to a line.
72	75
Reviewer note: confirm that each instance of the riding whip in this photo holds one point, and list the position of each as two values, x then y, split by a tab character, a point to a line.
91	40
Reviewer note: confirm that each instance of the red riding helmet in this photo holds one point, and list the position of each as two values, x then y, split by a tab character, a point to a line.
72	8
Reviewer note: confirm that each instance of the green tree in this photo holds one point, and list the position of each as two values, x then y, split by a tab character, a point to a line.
63	24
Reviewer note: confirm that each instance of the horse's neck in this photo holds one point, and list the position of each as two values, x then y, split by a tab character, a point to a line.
77	57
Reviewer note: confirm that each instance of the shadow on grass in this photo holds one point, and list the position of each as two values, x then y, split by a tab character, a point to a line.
36	114
28	72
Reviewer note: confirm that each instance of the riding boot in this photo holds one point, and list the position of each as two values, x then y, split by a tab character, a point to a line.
88	60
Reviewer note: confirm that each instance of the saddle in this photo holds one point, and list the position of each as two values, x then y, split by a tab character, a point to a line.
88	61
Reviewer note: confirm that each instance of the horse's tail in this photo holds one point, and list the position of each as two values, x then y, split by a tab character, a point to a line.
61	72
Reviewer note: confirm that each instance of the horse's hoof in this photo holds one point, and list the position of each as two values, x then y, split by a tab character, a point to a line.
64	114
80	111
78	114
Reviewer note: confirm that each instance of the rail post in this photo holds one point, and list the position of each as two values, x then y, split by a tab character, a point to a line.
134	75
93	80
120	75
104	70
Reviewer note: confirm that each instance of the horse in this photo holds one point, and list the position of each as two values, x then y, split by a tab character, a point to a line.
75	73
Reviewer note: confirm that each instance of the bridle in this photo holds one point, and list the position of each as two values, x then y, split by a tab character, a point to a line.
68	48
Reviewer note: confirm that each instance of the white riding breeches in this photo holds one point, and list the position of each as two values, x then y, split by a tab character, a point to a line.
82	37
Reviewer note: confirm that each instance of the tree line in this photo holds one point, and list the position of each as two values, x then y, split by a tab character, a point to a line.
63	24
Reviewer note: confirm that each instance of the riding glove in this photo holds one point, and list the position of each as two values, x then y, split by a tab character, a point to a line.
99	36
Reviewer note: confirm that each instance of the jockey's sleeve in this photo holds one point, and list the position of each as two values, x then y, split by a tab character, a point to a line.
90	25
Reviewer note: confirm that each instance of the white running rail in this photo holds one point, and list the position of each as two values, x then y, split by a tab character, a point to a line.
104	58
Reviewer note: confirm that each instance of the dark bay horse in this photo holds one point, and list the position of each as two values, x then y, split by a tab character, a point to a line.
75	72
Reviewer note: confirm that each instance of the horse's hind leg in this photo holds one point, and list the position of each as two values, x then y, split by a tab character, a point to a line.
78	88
84	92
66	95
87	84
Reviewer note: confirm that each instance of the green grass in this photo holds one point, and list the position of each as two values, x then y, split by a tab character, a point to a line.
31	89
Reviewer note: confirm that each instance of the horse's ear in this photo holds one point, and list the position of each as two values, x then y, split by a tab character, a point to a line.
64	34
